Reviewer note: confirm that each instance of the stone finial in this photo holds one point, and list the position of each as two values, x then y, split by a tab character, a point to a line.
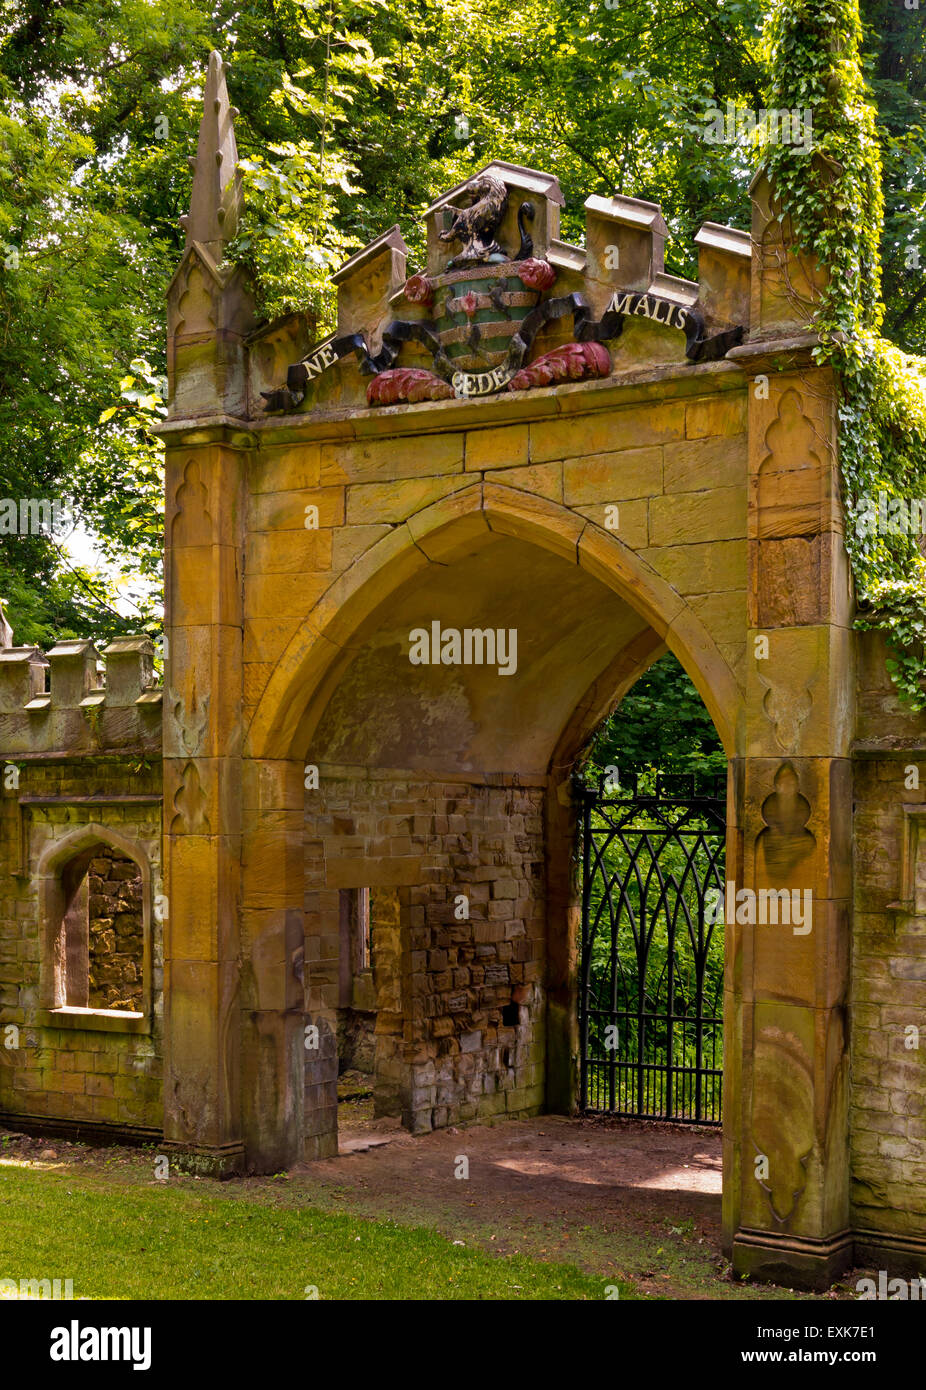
724	269
129	669
22	676
625	240
73	672
6	632
215	202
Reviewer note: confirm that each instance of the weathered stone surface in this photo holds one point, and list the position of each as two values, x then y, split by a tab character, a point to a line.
691	465
720	512
310	766
505	447
116	934
700	567
720	415
798	581
601	434
612	477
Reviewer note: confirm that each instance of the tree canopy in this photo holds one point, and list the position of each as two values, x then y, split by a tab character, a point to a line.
354	114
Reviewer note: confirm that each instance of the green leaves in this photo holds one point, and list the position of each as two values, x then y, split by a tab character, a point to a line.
836	205
661	725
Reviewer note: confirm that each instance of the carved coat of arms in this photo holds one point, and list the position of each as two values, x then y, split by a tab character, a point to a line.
478	318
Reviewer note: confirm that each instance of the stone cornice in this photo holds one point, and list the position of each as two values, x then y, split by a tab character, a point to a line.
580	398
208	429
777	354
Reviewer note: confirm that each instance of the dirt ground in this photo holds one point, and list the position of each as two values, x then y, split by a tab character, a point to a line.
633	1199
624	1199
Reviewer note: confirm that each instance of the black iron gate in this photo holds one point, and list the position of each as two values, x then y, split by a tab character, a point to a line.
651	985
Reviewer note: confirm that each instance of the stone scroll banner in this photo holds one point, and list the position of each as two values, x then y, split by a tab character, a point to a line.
463	383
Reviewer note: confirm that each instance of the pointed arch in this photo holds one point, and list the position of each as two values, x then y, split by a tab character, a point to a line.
335	627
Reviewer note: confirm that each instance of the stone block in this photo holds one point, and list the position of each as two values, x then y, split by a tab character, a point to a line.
289	552
724	265
286	511
129	669
285	467
503	447
388	460
367	281
692	517
543	479
73	671
695	464
700	567
798	825
612	477
800	698
722	414
631	428
625	241
799	581
204	585
369	503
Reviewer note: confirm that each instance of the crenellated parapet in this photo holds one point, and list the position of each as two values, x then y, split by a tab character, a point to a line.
75	700
501	304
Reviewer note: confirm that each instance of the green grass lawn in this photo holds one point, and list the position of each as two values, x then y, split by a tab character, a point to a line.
173	1241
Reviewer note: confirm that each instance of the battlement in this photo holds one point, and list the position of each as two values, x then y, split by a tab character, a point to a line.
499	302
457	325
75	700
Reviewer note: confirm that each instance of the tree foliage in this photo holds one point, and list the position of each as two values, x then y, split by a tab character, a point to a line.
660	726
354	115
834	197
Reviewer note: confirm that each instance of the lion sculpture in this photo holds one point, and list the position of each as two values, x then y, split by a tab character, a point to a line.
475	227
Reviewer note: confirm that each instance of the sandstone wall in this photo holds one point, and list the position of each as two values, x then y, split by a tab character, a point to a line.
888	1114
80	801
659	465
449	1045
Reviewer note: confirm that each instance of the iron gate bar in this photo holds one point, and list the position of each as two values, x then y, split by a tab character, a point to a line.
667	1074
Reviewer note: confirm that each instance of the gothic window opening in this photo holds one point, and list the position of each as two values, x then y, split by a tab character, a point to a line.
100	955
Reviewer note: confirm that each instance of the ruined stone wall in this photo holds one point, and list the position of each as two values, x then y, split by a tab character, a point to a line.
116	932
67	1067
80	804
444	976
888	1014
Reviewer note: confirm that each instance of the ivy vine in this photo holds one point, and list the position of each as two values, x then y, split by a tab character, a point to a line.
831	191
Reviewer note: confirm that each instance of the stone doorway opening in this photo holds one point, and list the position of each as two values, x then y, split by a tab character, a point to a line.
439	932
368	1019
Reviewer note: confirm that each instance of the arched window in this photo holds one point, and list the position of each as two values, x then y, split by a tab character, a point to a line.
96	939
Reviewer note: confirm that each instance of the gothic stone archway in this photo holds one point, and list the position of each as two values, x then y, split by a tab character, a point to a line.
646	481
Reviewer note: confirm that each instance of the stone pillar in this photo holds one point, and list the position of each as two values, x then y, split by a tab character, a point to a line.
204	524
786	1212
275	1057
208	448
